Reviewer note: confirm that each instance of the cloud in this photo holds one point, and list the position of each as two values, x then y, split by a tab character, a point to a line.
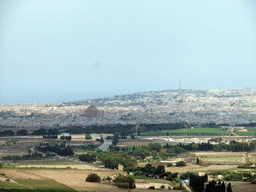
96	65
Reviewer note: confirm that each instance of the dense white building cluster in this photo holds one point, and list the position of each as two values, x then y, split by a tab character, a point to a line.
170	106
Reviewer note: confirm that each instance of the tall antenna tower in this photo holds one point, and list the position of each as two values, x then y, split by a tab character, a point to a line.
180	85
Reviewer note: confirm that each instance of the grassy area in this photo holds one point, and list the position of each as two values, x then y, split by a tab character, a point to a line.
251	132
10	185
196	131
42	184
12	141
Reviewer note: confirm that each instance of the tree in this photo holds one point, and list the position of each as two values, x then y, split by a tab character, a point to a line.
29	151
159	170
53	131
93	177
129	162
88	137
22	132
124	182
229	189
141	151
89	157
180	164
194	146
101	139
197	160
155	146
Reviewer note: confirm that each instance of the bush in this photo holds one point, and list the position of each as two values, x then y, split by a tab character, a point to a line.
50	154
186	175
124	182
169	165
152	187
180	164
88	137
93	177
108	178
122	185
138	173
162	187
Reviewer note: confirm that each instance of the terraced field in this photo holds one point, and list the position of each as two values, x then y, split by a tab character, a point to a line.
222	158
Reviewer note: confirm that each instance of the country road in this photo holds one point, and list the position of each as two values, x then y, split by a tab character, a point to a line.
106	144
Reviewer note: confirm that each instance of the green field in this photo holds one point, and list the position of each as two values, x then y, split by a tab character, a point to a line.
42	184
196	131
34	184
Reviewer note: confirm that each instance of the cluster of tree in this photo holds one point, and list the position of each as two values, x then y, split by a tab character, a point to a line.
235	146
101	140
192	146
213	186
115	139
7	133
112	159
43	131
129	129
22	132
247	125
89	157
197	182
23	157
66	137
89	147
150	171
61	150
154	149
124	182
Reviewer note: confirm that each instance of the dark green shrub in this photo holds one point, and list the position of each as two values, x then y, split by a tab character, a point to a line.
180	164
138	173
124	182
171	176
108	178
169	165
162	187
122	185
93	177
152	187
186	175
88	137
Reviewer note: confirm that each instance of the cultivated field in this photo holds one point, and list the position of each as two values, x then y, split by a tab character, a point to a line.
223	158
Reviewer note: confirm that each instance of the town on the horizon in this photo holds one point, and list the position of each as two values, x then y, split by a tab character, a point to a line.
155	107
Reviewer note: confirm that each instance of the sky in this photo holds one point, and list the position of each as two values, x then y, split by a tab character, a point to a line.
54	51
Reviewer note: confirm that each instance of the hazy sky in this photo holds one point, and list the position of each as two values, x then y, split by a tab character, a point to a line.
67	50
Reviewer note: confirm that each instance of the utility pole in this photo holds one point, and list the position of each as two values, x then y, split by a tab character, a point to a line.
200	133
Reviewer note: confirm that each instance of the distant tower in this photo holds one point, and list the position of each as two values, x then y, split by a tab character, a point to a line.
180	84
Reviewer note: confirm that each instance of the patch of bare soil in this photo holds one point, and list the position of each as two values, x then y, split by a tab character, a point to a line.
220	154
197	168
21	174
2	178
76	178
247	188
